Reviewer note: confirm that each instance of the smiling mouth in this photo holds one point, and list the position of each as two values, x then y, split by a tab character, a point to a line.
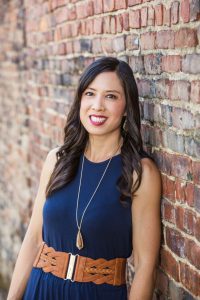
97	120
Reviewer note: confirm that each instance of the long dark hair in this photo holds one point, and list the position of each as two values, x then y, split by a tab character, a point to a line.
76	136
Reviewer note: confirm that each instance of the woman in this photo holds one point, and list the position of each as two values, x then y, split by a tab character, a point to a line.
98	200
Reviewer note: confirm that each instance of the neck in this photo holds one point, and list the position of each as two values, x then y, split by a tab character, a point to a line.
99	148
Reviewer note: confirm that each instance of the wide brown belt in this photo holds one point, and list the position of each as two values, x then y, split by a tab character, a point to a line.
81	268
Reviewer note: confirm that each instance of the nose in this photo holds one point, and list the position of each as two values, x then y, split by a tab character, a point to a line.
98	103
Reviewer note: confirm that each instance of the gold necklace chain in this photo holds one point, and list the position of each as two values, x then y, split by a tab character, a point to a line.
79	238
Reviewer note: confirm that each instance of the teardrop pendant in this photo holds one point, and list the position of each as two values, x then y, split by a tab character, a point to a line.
79	240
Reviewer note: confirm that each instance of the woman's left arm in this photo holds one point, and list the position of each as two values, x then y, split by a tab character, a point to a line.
146	222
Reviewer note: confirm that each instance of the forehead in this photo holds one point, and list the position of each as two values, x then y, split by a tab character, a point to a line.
106	81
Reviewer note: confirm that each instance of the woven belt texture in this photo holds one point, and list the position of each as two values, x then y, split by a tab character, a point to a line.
80	268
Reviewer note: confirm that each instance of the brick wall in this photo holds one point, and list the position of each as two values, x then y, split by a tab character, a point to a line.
44	47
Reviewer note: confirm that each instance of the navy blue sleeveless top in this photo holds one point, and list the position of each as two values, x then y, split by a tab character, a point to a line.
106	231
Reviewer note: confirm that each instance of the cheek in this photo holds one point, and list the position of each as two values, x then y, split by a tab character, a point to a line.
83	110
83	105
118	110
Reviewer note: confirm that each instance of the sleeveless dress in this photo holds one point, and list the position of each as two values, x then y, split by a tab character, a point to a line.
106	231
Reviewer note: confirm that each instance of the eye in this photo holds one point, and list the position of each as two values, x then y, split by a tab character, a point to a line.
112	96
88	93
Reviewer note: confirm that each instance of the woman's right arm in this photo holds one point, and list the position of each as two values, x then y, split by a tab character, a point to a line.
33	237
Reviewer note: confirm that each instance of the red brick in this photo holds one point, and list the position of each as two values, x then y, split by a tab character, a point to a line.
184	119
57	34
175	241
144	16
106	24
189	194
134	2
185	37
76	46
194	10
134	19
195	92
108	5
185	11
165	39
120	4
180	90
96	46
166	16
171	63
180	190
197	229
175	12
71	13
107	45
161	282
84	10
53	4
69	47
90	8
197	198
152	63
190	220
44	24
186	220
148	40
181	167
98	6
190	63
132	42
168	211
61	49
190	279
89	27
169	264
98	25
61	15
136	63
112	25
83	27
179	216
119	23
118	44
125	17
76	28
159	14
144	86
59	2
151	16
196	171
162	91
168	188
66	31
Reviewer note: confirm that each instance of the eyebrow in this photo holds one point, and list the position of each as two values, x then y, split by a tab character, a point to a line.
105	91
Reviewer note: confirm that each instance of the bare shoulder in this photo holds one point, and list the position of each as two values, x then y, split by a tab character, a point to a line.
151	178
149	168
51	158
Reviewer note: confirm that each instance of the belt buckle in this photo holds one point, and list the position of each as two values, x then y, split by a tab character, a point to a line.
71	264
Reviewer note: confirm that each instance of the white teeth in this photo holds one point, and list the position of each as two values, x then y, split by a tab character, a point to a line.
97	119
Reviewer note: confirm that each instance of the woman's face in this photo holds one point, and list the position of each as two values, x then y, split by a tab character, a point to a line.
103	104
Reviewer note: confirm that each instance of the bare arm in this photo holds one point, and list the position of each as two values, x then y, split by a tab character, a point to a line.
146	232
33	236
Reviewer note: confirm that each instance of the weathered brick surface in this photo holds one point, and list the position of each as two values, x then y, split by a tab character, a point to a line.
44	47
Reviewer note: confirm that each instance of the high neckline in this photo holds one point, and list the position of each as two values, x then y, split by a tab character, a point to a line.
100	162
